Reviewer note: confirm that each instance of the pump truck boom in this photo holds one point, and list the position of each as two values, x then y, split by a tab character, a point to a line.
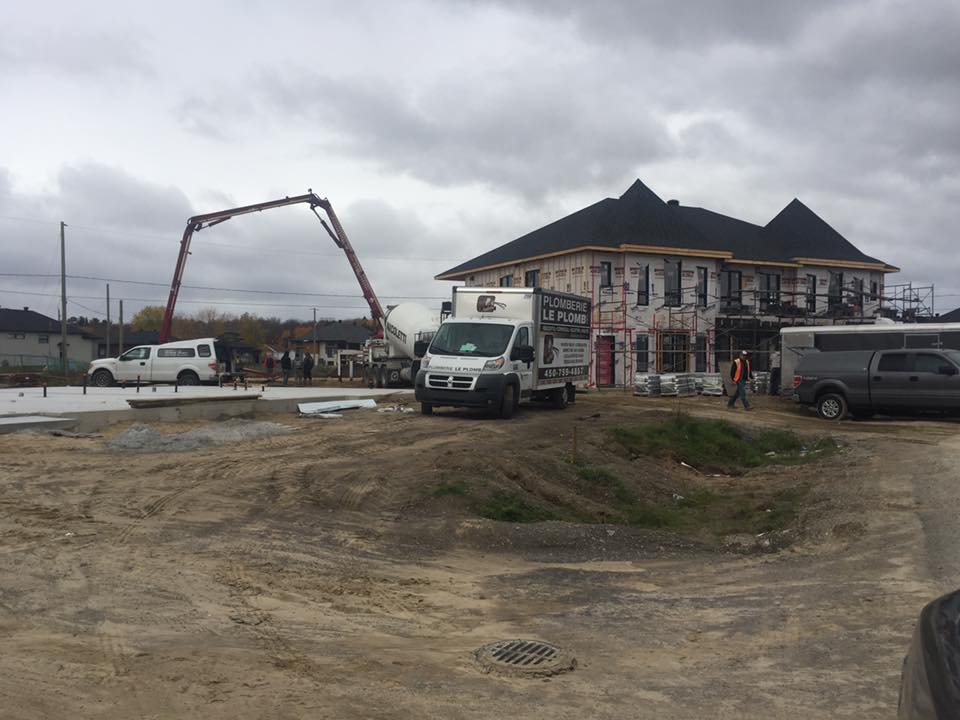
340	239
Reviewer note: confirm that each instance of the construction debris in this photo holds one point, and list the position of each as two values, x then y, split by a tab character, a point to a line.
333	406
646	384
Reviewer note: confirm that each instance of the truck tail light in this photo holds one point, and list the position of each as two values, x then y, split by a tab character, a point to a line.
796	381
212	366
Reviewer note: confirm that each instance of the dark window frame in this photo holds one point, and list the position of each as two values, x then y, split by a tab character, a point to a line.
673	297
835	290
643	285
606	274
811	293
536	278
766	295
728	297
506	281
641	348
703	280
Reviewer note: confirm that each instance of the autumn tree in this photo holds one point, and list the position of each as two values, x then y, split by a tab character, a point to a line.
149	318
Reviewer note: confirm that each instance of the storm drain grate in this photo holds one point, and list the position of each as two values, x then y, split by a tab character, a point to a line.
524	657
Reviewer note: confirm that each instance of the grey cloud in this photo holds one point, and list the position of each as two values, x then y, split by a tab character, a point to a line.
516	133
93	54
671	24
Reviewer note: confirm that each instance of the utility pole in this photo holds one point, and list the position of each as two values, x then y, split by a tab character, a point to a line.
63	297
108	320
120	338
316	348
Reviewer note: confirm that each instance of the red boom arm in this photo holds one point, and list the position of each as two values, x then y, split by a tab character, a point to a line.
199	222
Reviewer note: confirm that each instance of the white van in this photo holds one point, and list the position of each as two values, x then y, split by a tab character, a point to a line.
186	362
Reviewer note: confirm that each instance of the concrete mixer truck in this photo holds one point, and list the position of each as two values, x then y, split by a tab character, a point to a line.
393	361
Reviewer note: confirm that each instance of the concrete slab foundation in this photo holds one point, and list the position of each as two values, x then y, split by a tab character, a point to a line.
101	407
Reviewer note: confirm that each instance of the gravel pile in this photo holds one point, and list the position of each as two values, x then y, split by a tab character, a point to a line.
144	438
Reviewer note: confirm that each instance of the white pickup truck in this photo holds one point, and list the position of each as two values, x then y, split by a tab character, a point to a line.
186	362
505	346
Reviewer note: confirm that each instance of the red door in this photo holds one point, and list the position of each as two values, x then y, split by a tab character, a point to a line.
605	360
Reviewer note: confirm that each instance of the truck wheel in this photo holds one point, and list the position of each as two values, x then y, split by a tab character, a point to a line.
831	406
188	377
426	409
507	403
559	398
571	394
102	378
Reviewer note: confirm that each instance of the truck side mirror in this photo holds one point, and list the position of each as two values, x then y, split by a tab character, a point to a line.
523	353
948	370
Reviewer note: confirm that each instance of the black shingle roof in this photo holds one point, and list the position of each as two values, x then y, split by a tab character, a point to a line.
30	321
745	240
802	233
640	217
949	317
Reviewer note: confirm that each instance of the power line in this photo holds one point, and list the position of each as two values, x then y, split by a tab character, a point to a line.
157	301
231	246
221	289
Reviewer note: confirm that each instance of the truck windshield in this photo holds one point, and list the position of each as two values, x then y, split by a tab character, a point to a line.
478	339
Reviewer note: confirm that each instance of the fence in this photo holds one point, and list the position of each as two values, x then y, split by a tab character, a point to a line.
21	362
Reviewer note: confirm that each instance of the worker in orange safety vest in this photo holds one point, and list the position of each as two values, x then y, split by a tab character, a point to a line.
740	373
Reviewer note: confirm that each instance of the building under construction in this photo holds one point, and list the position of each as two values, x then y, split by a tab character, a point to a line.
679	289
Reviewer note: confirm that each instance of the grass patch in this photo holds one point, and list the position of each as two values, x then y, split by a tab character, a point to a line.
716	445
700	511
444	489
510	507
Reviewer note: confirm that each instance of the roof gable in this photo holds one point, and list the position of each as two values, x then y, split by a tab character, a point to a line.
800	232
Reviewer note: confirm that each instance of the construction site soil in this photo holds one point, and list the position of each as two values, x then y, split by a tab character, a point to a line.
344	568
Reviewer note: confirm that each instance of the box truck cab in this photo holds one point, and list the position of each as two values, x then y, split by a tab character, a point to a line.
502	347
187	362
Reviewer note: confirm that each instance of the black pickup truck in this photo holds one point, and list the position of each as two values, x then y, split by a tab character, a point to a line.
892	381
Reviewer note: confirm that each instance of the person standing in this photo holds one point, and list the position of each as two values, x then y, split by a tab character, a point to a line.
308	369
285	366
740	373
775	373
269	364
298	367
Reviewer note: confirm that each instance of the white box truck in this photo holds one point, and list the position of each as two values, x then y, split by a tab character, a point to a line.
504	346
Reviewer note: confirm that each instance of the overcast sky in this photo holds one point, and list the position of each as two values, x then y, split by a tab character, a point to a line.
440	130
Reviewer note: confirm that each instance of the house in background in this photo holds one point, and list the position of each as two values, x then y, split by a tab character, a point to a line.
333	336
131	339
678	288
29	339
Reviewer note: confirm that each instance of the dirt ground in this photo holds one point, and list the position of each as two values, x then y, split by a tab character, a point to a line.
320	574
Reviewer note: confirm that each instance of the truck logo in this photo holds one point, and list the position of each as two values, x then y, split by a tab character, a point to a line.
396	332
488	304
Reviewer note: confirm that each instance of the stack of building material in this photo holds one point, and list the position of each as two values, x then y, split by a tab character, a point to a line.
686	385
668	384
646	384
712	384
760	384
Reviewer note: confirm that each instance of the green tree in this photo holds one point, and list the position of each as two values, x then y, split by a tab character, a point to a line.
149	318
251	330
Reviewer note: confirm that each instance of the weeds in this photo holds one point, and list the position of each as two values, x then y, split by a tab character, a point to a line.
716	445
510	507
